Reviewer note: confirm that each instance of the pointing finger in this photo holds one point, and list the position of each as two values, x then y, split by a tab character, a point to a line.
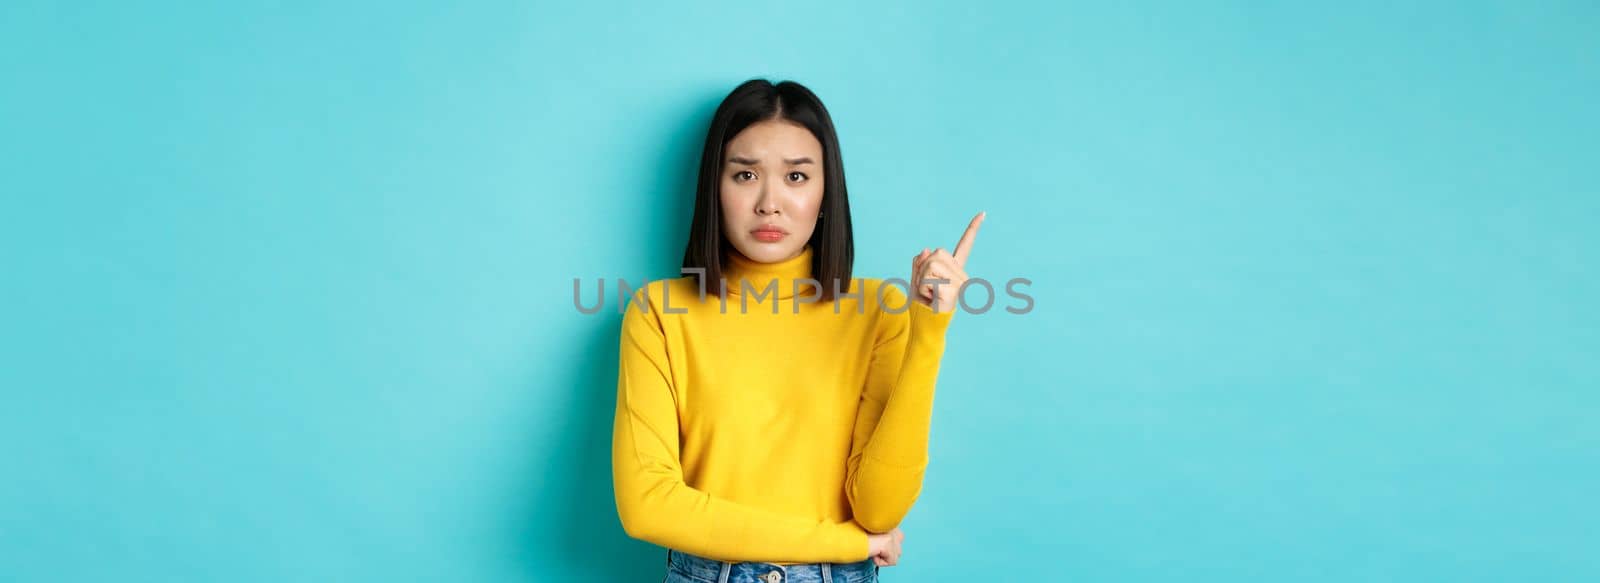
964	246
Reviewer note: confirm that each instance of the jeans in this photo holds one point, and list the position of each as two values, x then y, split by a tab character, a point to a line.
686	568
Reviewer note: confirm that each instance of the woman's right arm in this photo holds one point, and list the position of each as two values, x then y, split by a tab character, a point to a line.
654	502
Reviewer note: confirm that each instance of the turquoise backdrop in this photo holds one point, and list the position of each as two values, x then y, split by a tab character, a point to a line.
287	285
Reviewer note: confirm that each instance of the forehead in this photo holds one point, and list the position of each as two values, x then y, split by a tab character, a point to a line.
770	140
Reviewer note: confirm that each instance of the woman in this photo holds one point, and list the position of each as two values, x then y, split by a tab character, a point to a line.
773	412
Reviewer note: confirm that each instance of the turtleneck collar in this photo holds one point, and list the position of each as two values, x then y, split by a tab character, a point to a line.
759	274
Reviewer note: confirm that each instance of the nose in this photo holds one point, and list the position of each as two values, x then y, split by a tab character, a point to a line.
766	204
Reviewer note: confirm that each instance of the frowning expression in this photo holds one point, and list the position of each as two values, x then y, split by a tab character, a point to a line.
771	189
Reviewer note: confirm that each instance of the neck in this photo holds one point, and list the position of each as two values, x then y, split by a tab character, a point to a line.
758	275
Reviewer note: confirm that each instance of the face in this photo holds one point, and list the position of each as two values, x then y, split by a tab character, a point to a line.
771	190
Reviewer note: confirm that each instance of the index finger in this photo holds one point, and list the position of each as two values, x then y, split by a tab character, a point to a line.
964	246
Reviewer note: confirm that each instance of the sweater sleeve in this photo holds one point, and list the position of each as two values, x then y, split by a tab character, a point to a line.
656	505
889	448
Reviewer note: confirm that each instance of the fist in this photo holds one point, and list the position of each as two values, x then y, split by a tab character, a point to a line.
886	548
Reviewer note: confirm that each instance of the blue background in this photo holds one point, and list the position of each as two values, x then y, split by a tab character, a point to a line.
288	286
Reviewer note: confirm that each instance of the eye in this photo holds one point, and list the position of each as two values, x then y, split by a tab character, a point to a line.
797	176
740	175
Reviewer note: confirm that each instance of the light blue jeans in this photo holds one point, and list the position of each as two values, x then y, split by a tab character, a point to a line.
686	568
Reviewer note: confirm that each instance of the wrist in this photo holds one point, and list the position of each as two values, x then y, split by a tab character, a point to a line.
926	319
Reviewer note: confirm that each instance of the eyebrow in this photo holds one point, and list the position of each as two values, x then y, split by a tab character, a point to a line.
753	161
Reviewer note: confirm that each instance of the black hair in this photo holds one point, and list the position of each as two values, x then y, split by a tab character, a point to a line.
832	242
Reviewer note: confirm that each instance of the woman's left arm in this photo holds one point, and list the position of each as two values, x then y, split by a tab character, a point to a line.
889	446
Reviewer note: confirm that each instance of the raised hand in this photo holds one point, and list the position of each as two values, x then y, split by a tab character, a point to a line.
938	264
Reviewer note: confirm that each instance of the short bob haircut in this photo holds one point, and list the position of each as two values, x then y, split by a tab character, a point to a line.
832	243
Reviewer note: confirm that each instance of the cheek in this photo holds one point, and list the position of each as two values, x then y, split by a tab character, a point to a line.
731	193
813	196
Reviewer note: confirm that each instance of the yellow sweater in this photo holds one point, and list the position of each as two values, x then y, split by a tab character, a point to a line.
781	438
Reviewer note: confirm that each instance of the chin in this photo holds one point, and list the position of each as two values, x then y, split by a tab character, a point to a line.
765	252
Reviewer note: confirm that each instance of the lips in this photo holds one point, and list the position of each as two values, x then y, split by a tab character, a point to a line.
769	233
